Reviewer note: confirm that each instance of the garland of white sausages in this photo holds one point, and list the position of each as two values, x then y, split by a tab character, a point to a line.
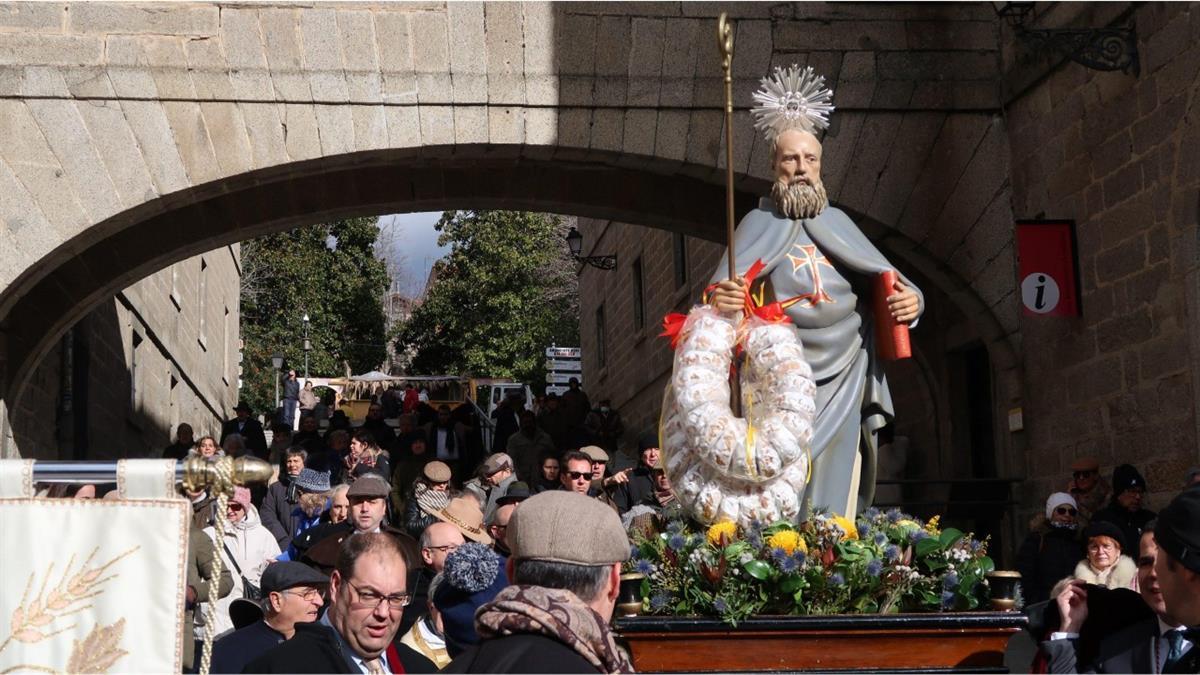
722	467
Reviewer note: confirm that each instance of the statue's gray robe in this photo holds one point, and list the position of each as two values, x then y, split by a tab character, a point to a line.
853	401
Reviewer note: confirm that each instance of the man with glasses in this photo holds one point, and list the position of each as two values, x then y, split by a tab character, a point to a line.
1125	509
439	540
1087	487
368	592
292	593
576	476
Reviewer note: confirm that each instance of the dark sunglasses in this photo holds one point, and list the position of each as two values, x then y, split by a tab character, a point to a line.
1083	474
1065	511
576	475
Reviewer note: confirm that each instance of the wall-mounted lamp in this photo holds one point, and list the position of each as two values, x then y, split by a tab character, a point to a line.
575	243
1096	48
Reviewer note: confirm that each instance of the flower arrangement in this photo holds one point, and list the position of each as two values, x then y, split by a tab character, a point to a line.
883	562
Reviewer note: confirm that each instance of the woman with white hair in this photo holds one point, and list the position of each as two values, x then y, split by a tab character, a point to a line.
246	551
1052	548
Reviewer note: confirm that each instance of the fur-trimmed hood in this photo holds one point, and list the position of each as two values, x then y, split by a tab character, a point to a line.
1121	575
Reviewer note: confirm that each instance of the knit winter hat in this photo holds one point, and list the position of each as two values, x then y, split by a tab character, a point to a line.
312	481
241	495
1125	477
1058	499
473	575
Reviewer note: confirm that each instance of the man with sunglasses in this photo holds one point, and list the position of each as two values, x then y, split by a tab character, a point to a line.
1052	548
1089	489
368	592
576	476
292	593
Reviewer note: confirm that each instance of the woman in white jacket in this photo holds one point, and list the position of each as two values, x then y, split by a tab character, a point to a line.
252	546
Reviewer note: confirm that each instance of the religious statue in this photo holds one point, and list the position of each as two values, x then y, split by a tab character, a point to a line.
817	262
799	310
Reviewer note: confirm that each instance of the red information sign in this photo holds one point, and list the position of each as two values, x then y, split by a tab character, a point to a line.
1049	269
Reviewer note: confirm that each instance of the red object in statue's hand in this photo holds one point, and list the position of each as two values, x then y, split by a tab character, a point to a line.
891	336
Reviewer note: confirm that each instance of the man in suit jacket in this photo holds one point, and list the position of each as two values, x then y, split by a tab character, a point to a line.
249	428
1177	569
368	591
1151	645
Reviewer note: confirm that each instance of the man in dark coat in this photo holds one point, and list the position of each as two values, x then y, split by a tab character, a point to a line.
639	486
249	428
184	442
282	498
1155	644
1177	570
291	399
292	593
1125	510
383	433
368	591
540	624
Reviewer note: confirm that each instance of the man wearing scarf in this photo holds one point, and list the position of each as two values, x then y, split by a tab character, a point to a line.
537	624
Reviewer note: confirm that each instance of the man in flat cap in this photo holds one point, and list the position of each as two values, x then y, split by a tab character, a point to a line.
566	578
368	508
498	475
1177	532
292	593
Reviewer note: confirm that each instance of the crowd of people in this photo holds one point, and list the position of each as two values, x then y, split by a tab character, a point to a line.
1110	585
374	545
379	549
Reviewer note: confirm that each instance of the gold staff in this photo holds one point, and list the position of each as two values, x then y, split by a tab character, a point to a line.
725	44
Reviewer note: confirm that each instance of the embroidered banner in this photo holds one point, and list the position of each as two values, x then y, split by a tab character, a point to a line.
92	586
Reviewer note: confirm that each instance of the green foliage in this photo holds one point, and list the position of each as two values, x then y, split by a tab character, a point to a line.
287	274
506	291
879	564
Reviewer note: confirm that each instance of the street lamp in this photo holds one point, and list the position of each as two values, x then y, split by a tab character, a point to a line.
307	346
575	244
277	361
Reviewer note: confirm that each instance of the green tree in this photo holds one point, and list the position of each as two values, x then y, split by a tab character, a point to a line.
331	272
506	291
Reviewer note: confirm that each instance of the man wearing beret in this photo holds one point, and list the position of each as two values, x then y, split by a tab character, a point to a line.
1177	567
292	593
554	618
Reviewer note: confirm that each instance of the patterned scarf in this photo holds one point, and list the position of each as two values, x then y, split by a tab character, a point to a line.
557	614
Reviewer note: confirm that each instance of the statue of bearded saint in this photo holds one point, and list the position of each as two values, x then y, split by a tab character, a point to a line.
821	268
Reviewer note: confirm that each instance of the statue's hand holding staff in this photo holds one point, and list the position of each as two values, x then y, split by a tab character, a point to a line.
904	303
729	297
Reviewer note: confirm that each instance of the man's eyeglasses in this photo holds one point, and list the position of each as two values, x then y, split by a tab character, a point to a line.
447	548
1065	511
578	475
308	594
372	599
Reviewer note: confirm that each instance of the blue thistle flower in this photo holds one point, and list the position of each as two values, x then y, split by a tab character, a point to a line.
799	557
836	579
880	539
677	541
875	567
778	555
871	513
947	599
864	528
675	526
892	553
787	564
917	535
720	605
895	515
754	537
660	600
643	566
633	552
950	581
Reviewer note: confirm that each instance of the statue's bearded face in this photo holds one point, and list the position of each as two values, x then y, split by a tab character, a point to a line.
798	190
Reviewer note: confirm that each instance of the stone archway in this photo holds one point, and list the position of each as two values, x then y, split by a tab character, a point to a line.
139	134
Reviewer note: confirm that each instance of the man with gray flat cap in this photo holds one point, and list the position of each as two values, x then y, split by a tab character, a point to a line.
292	593
554	618
1177	532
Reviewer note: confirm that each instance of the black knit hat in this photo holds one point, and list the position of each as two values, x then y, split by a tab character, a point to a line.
1177	530
1126	477
647	440
1101	528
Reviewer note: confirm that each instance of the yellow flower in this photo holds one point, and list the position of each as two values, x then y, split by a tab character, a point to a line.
932	526
847	526
909	524
788	540
723	528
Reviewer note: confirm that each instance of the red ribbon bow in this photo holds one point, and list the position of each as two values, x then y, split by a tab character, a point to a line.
771	313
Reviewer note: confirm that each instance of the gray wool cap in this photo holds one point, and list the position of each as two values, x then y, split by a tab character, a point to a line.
567	527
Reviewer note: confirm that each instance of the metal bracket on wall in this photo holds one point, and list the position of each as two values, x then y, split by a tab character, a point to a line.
1106	49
